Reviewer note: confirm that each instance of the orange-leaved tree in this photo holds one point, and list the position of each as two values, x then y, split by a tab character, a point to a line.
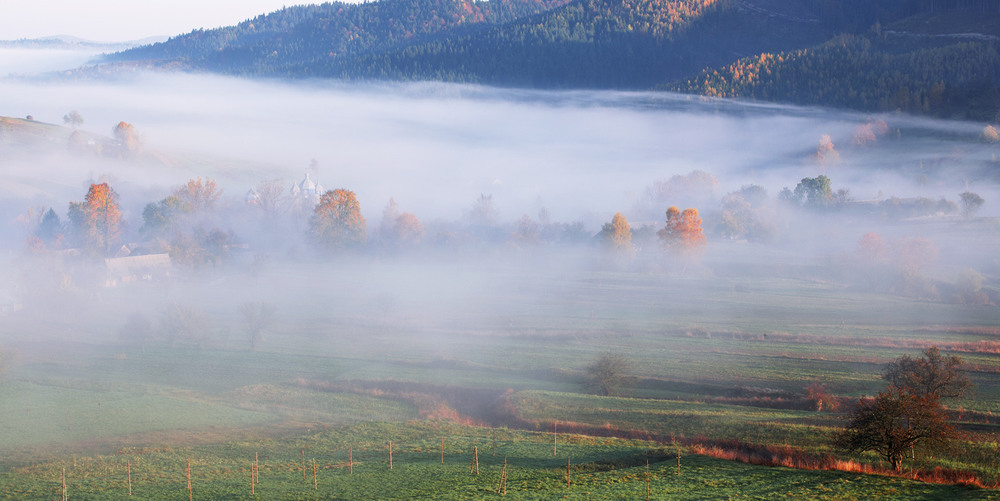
683	230
127	137
337	221
97	219
618	234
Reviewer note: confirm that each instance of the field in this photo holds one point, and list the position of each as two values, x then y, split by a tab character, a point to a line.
354	463
720	361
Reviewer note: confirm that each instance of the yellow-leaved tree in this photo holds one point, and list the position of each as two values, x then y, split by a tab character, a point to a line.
337	222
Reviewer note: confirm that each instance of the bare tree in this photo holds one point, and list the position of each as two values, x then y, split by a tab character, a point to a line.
932	374
608	375
183	323
257	318
73	118
269	196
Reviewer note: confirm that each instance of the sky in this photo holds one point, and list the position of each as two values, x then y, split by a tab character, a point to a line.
125	20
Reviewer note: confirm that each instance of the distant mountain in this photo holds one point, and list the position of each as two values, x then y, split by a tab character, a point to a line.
860	54
68	42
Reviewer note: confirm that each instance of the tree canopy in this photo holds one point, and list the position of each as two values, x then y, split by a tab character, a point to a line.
337	221
683	230
893	422
617	234
97	220
909	412
608	374
931	374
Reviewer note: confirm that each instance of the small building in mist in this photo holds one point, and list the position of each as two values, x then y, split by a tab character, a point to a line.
126	269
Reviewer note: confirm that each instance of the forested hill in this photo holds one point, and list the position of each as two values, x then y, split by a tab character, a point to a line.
926	56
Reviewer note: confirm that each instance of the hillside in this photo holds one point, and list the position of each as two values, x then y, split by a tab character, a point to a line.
863	55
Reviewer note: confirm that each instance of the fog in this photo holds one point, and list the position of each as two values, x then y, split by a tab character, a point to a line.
436	147
22	62
568	160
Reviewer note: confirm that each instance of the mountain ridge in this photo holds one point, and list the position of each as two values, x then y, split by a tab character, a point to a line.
612	44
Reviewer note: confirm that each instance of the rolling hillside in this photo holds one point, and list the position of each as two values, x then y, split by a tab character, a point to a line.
918	56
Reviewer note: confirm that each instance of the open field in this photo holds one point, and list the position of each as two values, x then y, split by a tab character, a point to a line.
719	360
600	468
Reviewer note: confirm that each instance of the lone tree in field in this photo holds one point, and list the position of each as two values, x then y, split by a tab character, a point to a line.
337	221
971	203
608	375
909	411
73	118
932	374
257	318
894	422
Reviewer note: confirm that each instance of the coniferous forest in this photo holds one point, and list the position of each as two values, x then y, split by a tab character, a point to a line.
927	57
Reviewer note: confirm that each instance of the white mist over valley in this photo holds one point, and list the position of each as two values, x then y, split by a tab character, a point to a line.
490	271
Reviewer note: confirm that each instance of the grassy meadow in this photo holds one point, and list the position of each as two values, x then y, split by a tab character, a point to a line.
720	362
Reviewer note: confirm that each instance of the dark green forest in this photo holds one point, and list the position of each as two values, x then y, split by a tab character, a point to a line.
921	56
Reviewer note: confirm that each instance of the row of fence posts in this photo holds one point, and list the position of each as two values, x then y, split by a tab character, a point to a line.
473	468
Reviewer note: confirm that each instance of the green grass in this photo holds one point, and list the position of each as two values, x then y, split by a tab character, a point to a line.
35	414
600	469
688	339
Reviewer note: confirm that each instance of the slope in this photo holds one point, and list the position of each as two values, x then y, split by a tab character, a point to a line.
916	65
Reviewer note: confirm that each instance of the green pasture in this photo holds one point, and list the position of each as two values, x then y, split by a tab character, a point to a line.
598	469
85	394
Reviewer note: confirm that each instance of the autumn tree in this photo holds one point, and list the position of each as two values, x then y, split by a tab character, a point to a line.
617	234
257	317
990	134
408	230
871	248
971	203
127	138
400	229
682	230
826	152
608	375
337	221
97	219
